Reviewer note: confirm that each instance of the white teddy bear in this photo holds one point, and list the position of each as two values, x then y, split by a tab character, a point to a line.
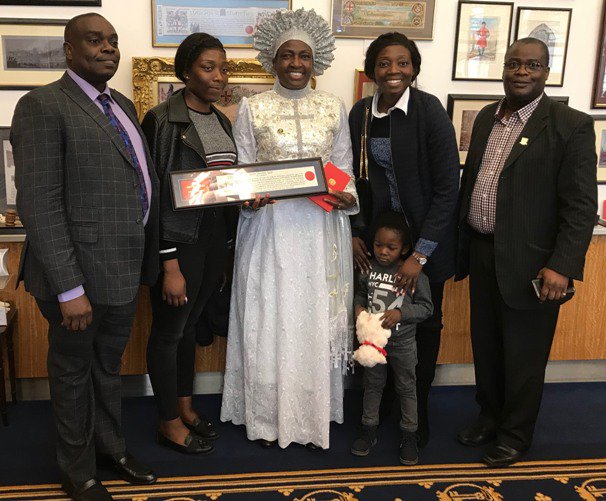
372	338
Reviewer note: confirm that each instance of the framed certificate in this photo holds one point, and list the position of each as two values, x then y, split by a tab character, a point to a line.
238	183
371	18
231	21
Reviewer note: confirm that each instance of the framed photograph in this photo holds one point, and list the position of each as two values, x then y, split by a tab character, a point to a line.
481	41
31	52
8	191
551	26
363	86
231	21
53	3
599	81
463	110
600	146
371	18
239	183
154	81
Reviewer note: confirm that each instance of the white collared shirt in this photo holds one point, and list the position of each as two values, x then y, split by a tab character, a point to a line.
402	104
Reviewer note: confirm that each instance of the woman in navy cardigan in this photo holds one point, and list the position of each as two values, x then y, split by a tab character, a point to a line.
405	140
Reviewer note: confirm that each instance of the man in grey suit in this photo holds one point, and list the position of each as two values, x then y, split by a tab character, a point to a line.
528	202
88	203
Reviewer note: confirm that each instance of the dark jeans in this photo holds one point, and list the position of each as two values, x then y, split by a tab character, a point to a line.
510	352
402	359
84	380
171	349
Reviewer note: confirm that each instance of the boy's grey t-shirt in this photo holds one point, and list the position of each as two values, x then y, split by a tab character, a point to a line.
375	293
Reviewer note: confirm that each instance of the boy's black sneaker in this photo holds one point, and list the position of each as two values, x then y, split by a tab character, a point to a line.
365	440
409	453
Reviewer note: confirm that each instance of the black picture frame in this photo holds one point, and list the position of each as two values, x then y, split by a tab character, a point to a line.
557	62
599	122
26	79
4	146
219	185
484	63
54	3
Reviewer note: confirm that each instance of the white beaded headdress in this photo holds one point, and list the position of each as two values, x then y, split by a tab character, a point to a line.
301	24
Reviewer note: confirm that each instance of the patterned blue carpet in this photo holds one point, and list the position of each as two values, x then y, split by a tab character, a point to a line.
567	461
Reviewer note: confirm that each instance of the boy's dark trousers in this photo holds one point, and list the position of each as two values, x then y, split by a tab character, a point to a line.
402	360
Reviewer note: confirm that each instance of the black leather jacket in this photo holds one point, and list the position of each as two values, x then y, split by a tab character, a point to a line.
175	145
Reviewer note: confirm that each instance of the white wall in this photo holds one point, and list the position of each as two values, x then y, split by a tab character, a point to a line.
132	20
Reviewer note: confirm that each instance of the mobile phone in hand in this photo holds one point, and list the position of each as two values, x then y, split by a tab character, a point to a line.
537	285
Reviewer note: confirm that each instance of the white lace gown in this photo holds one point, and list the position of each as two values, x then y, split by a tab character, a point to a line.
291	321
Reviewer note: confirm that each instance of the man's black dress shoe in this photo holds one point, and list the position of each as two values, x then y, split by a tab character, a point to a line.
91	490
477	434
204	428
193	444
128	468
501	454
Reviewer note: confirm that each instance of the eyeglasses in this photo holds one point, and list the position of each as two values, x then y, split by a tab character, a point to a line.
514	65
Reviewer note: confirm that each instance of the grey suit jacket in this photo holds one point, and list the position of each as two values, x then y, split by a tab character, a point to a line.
546	199
77	195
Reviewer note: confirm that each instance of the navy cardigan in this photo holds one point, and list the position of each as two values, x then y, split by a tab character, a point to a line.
426	164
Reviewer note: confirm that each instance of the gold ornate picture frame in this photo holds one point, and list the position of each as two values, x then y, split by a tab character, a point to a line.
154	81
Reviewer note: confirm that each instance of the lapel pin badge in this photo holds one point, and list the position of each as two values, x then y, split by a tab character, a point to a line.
524	141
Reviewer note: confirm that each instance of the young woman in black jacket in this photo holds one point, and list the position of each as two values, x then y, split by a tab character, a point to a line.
187	132
404	140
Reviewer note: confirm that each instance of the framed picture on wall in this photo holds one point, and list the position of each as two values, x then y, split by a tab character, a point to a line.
600	146
31	52
463	110
363	86
8	191
481	40
599	81
551	26
52	3
231	22
154	81
369	19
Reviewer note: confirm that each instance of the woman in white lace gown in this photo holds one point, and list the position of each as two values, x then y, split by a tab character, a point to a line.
290	329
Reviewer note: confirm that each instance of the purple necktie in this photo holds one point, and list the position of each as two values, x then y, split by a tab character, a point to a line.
113	119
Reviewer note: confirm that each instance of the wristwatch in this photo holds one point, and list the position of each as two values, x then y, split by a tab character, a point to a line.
420	259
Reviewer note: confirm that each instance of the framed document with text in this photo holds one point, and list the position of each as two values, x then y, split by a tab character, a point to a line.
231	21
371	18
238	183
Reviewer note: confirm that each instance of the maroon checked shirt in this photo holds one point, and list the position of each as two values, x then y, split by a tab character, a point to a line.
504	134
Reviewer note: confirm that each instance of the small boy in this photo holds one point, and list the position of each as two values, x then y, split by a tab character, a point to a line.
376	293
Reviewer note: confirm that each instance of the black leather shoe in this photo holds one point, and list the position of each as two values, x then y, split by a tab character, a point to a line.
128	468
204	428
266	444
91	490
501	454
477	434
193	444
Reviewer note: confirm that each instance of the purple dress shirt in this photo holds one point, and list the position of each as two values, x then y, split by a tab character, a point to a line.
136	140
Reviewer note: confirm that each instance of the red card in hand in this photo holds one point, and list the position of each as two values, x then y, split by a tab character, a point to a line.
336	180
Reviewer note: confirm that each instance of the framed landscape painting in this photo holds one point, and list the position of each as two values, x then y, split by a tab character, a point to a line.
481	40
552	27
31	52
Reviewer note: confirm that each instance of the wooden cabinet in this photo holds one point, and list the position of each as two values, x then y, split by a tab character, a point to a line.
581	333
